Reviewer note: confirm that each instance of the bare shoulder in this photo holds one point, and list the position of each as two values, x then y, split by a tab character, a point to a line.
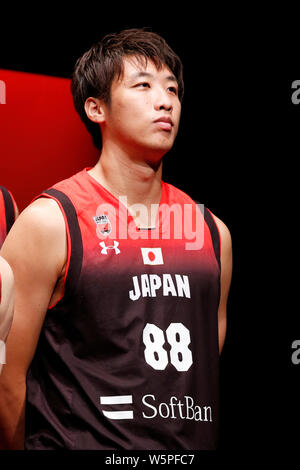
37	236
43	212
42	217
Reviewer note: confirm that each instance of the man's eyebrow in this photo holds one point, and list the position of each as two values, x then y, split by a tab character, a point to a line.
136	75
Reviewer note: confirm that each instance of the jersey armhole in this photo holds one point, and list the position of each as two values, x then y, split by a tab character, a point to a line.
74	240
10	210
214	231
217	237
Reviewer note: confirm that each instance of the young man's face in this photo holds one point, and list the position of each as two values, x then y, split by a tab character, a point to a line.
144	113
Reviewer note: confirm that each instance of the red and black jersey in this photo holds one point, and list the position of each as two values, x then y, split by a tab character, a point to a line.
128	357
7	213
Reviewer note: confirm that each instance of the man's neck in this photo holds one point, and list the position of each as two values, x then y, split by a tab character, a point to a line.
138	181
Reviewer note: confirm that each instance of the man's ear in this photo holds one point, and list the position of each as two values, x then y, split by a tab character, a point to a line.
94	109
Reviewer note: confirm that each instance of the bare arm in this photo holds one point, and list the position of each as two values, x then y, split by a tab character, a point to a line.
226	274
36	250
6	305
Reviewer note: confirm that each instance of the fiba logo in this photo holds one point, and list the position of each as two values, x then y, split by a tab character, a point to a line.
2	92
103	224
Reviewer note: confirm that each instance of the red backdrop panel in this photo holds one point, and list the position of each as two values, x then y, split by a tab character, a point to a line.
42	139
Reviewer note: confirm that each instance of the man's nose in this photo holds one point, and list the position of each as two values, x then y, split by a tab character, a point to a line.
163	101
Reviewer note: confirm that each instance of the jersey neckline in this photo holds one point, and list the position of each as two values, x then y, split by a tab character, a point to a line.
160	226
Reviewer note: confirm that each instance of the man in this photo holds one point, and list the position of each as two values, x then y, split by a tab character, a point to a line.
6	306
8	215
119	321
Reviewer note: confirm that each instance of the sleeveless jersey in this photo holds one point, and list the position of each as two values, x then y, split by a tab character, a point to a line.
7	213
128	357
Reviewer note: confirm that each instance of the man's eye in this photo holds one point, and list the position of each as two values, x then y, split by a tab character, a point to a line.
143	85
173	89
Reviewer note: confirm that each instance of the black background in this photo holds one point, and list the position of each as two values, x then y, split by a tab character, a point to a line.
236	152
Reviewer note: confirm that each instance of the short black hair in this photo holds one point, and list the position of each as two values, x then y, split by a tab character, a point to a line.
96	69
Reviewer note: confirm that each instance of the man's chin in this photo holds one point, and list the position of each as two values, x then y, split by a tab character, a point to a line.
160	148
152	153
157	153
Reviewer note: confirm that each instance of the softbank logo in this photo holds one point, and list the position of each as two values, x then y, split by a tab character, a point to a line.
2	92
177	221
116	401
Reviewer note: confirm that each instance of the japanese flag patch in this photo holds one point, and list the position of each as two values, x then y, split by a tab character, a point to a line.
152	256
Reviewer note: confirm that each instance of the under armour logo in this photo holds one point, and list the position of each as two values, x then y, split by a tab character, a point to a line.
110	247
